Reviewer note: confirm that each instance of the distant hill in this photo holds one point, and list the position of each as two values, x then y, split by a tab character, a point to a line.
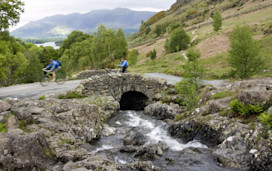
59	25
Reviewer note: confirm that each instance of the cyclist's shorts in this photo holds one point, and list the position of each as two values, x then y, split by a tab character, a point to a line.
57	69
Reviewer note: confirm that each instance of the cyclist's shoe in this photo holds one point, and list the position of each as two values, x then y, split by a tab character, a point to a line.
53	80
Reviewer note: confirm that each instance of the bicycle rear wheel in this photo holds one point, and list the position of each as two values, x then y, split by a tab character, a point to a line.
60	78
44	81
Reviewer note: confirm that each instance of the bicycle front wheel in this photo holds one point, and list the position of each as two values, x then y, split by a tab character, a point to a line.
44	81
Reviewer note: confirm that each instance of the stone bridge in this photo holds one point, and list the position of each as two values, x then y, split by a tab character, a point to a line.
132	90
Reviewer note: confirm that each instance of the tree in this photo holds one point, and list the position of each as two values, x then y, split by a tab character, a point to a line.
33	71
179	40
244	53
132	57
192	80
217	21
72	38
10	11
122	46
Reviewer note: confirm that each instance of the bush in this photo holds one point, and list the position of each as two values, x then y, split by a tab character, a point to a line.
175	26
238	107
193	54
153	54
179	40
188	93
266	119
148	53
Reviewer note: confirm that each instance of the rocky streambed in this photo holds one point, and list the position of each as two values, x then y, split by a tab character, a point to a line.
91	133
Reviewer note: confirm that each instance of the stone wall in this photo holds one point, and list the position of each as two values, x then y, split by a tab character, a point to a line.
116	85
90	73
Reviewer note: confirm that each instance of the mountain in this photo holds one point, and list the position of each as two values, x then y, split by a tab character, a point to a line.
60	25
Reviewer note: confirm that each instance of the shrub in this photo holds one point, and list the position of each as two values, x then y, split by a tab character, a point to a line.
238	107
175	26
266	119
188	93
148	30
71	95
153	54
193	54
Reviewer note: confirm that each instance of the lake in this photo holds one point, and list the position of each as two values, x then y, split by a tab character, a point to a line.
49	44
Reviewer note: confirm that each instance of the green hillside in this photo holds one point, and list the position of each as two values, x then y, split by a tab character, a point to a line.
195	17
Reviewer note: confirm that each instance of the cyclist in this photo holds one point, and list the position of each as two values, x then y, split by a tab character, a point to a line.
123	64
55	67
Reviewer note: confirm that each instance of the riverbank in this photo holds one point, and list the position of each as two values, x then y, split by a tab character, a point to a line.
73	131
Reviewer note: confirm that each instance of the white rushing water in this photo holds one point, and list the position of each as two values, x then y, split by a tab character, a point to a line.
157	132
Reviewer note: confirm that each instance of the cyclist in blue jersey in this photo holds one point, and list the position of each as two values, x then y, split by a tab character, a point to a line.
123	64
55	67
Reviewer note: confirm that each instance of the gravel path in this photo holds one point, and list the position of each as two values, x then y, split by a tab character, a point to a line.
174	79
35	90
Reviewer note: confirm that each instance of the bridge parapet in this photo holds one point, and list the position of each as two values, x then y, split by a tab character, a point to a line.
116	85
89	73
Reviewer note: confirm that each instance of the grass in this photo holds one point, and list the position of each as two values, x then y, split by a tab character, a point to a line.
42	97
222	94
3	126
170	64
24	123
217	67
72	95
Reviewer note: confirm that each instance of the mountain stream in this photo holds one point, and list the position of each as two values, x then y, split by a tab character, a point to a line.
192	156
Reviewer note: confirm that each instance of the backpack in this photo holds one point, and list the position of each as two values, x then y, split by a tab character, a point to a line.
58	62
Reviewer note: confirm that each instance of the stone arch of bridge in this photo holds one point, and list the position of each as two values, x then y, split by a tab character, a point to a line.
133	100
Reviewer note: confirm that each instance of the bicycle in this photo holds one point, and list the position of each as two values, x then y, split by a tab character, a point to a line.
48	77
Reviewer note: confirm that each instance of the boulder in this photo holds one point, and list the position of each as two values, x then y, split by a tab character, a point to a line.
134	138
163	111
12	123
25	151
144	166
213	106
107	130
150	151
93	163
4	106
233	152
255	97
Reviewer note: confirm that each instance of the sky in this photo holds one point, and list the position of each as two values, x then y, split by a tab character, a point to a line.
38	9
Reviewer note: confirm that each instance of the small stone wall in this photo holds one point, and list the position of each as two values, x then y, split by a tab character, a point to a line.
89	73
116	85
